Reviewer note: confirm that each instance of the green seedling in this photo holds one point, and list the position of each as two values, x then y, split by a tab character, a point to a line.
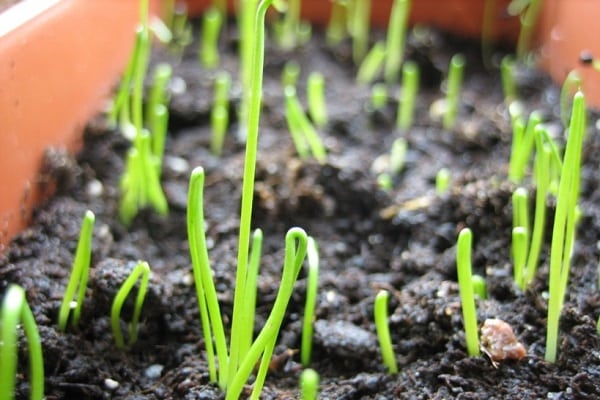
220	5
379	96
507	73
315	94
208	53
157	113
454	84
140	272
312	282
570	86
529	11
371	65
565	219
396	38
79	275
398	156
408	95
488	30
522	146
465	284
360	25
309	384
219	115
253	269
383	331
519	254
304	135
181	29
442	181
290	74
479	286
385	181
290	26
15	311
338	20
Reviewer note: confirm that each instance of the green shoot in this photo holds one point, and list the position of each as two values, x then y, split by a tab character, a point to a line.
246	23
290	74
442	181
312	281
398	156
220	5
454	84
507	73
309	384
565	219
488	28
15	311
465	284
379	96
290	27
157	114
142	272
529	18
396	37
315	94
522	146
219	116
360	23
385	181
383	331
303	133
209	41
336	27
479	286
407	103
79	275
519	254
371	65
181	30
569	87
520	203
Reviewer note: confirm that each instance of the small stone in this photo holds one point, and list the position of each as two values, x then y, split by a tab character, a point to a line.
94	188
154	371
111	384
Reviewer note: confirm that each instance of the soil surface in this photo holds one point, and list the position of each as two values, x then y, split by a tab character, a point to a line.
402	240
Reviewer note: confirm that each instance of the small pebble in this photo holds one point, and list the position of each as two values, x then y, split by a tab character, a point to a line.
111	384
94	188
177	165
154	371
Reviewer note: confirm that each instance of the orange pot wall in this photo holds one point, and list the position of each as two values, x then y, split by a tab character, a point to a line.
566	28
55	73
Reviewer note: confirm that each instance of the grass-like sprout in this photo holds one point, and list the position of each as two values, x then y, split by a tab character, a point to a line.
568	89
290	74
312	282
290	26
519	254
442	180
396	37
157	114
479	286
212	21
371	65
398	156
507	73
529	13
140	272
565	219
79	275
309	384
523	141
181	29
219	115
408	95
253	269
465	284
337	25
15	311
315	95
360	27
488	29
383	331
304	135
453	89
379	96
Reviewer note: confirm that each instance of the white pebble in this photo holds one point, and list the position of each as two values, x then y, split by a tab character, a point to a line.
154	371
111	384
95	188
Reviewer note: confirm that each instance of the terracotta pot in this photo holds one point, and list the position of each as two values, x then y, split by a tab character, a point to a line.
59	62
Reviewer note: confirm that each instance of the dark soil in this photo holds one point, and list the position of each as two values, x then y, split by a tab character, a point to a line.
402	241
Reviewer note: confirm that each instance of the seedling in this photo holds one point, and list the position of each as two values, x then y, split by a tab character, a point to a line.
488	27
290	74
157	113
529	11
408	95
479	286
371	65
454	84
290	26
507	72
522	146
15	311
208	53
383	331
442	180
569	87
315	94
360	26
304	135
338	20
379	96
396	37
398	156
140	272
181	30
312	281
79	275
465	284
219	116
309	384
565	219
